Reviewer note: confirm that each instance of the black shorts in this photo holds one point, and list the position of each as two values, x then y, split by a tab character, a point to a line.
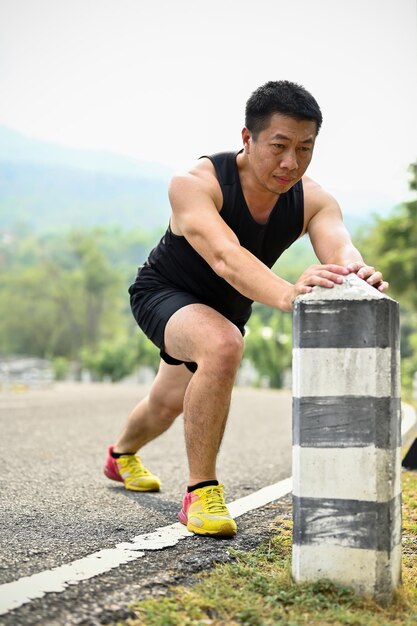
152	307
153	303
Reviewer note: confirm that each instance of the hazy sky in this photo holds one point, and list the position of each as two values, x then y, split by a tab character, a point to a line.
167	80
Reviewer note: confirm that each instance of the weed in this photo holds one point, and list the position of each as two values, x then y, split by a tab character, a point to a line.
257	589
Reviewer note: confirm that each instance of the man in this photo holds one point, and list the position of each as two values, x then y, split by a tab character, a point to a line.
232	216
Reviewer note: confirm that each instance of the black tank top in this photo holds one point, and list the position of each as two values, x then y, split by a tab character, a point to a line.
175	263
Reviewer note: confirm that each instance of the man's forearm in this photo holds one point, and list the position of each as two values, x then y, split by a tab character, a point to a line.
253	279
344	255
256	281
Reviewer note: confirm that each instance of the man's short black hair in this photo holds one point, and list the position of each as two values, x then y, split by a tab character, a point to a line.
283	97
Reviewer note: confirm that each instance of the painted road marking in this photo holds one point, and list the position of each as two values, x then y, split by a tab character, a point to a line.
22	591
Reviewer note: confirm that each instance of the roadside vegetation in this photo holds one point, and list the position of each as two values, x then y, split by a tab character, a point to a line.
256	589
63	297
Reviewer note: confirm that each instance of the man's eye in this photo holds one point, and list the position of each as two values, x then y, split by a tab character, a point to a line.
279	146
305	149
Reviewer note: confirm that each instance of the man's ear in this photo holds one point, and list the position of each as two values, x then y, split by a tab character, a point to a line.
246	138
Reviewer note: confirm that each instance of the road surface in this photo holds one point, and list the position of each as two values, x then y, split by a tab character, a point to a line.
57	506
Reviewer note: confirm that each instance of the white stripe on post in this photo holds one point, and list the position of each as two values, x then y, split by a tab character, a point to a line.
327	363
347	438
323	472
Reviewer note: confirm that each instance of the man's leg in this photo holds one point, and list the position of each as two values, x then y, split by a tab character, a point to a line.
155	413
198	333
151	417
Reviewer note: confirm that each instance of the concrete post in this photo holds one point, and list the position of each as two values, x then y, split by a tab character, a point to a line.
347	438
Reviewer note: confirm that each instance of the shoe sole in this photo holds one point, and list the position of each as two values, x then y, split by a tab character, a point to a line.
142	488
225	531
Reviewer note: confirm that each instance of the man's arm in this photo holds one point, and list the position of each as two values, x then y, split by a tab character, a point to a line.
196	199
329	237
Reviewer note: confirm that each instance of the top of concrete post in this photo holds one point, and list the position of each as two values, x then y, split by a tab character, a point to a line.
352	288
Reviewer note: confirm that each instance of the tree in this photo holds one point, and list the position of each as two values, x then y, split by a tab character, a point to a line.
268	343
113	359
392	247
68	298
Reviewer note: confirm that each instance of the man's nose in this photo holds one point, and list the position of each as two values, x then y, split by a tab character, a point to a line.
289	160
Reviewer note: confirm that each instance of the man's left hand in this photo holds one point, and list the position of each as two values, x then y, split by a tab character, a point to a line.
368	273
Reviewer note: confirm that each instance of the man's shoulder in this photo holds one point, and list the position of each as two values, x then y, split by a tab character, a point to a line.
310	185
199	181
318	203
210	169
316	194
225	166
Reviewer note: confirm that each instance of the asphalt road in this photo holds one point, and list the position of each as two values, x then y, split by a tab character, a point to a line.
57	506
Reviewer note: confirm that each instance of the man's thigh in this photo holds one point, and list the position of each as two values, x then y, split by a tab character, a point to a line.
195	329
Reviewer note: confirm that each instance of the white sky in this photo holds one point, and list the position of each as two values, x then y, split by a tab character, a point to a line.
167	80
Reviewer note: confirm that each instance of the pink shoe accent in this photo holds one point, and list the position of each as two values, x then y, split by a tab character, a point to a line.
187	501
110	469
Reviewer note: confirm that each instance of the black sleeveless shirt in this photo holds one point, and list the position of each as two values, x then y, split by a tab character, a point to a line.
175	263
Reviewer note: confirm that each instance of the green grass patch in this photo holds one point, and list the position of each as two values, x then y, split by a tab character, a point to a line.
256	589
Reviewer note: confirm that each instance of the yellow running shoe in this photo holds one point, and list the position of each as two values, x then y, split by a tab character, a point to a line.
204	512
128	469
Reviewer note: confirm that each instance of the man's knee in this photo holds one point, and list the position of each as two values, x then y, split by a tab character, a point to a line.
225	348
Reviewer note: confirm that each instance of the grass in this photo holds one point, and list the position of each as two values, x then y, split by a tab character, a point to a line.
256	589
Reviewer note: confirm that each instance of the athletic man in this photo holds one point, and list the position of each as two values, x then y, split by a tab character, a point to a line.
232	216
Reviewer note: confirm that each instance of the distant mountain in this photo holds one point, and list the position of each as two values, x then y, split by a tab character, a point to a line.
18	148
44	186
46	198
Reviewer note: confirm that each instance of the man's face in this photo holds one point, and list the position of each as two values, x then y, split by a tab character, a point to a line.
281	153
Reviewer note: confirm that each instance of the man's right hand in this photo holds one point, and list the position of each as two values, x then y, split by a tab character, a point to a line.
315	276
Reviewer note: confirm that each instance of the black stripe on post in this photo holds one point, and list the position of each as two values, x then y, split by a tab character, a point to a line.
346	324
346	422
346	523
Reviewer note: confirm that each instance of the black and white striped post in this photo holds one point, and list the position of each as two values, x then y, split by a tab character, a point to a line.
347	438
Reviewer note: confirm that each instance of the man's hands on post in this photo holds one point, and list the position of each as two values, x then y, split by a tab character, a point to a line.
315	276
368	273
329	275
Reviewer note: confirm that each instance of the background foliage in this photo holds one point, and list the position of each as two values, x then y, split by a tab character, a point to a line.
63	296
392	246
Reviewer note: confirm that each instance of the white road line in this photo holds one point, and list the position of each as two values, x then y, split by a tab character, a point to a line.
22	591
